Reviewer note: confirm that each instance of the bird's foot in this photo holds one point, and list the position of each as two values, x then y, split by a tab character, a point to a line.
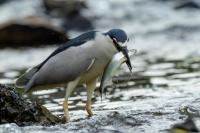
89	110
65	119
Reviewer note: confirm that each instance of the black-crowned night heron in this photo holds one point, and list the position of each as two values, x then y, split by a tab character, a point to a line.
80	61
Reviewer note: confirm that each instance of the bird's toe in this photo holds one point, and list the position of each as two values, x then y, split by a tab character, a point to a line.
89	110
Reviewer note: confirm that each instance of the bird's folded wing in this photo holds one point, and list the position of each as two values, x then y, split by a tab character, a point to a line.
62	68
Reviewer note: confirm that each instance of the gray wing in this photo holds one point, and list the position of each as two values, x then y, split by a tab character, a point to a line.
62	68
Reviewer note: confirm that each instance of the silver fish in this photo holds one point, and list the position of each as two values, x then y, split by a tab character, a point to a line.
117	60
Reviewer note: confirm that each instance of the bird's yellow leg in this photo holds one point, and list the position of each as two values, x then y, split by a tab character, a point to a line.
90	89
65	108
70	87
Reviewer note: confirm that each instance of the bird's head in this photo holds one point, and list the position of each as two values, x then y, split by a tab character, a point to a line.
120	39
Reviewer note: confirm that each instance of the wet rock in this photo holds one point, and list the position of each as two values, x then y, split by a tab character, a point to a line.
30	31
187	126
188	5
3	1
14	109
190	110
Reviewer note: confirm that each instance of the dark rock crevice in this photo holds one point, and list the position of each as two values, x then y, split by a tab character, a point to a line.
14	109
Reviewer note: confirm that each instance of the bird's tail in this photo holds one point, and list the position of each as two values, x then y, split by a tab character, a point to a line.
23	80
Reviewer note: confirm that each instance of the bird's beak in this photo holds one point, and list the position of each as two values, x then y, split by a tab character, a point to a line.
125	52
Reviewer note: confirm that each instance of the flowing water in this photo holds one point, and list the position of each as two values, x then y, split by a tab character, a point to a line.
163	89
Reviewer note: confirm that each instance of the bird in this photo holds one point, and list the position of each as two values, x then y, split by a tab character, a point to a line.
79	61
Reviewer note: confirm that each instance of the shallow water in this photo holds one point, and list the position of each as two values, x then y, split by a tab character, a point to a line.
163	89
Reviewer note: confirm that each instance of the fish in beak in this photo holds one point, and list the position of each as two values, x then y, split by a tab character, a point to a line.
117	60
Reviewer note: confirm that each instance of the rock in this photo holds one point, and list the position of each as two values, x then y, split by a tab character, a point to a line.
3	1
187	126
30	31
187	4
14	109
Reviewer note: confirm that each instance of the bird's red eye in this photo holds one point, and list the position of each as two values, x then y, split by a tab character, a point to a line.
128	40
